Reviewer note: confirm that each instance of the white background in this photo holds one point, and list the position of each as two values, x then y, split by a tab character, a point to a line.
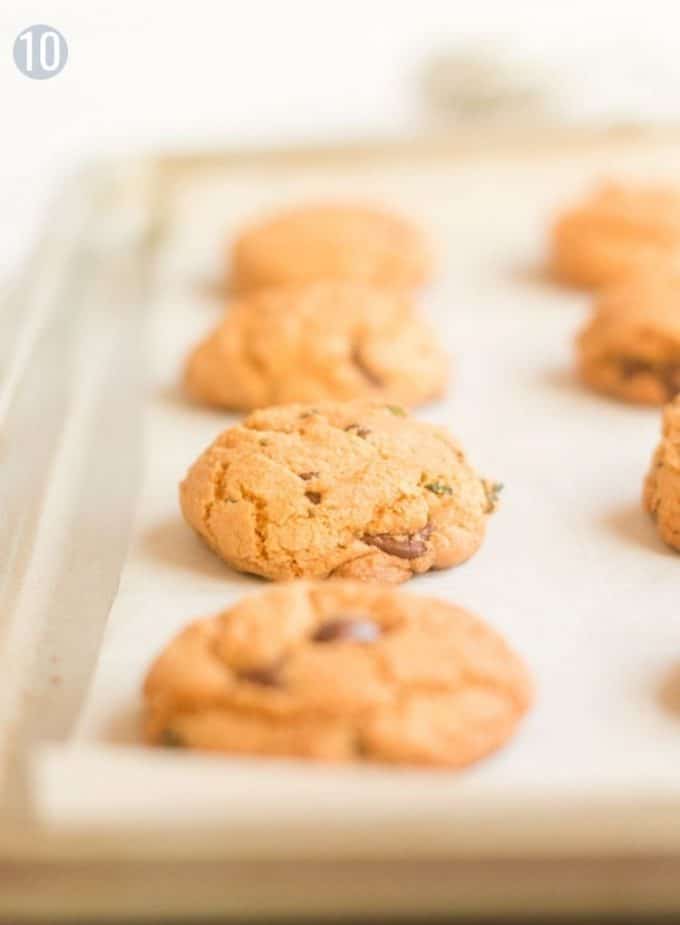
189	72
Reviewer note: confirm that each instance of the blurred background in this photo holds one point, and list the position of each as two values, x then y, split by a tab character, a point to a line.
146	74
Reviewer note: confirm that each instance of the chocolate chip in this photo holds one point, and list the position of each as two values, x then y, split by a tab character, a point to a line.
439	488
667	373
362	432
267	677
360	745
171	739
313	496
308	475
633	366
671	378
403	546
369	374
347	629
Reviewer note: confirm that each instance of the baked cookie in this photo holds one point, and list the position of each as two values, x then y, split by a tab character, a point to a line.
331	242
662	486
631	347
353	490
618	229
339	671
331	339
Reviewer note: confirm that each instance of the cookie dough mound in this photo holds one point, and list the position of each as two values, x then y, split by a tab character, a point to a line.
331	339
630	349
662	486
619	229
331	241
354	490
339	671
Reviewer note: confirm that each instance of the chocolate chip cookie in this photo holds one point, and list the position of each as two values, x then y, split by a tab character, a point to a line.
331	241
662	486
347	489
630	349
339	671
620	228
331	339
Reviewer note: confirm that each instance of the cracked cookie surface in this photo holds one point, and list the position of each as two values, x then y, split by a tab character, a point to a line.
331	241
630	348
618	229
339	671
346	489
662	485
331	339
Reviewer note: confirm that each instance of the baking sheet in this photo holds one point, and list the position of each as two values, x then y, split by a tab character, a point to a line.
572	571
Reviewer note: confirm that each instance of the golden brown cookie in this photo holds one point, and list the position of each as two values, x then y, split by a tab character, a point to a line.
353	490
630	349
332	339
619	229
331	242
339	671
662	486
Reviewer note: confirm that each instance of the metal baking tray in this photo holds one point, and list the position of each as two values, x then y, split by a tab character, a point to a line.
580	814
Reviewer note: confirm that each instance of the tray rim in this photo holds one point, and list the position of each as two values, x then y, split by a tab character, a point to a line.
462	143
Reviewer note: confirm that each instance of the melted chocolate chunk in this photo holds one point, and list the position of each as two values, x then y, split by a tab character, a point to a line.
306	476
171	739
362	432
313	496
347	629
365	370
671	379
267	677
667	373
633	366
405	546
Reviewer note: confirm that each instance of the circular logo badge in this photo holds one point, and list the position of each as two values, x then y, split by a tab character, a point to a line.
40	52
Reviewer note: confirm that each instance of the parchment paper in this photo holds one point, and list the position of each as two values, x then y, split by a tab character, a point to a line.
572	570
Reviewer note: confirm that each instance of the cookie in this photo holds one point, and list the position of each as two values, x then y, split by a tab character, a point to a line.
630	349
331	339
619	229
331	242
662	486
339	671
348	489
